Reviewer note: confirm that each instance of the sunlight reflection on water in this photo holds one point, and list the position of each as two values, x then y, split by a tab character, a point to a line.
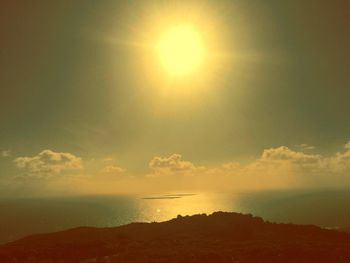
158	208
21	217
164	208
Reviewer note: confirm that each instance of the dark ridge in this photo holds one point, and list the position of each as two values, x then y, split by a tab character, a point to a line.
219	237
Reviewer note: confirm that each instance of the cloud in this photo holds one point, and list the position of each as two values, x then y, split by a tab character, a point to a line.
284	155
306	170
49	163
340	162
108	160
305	147
275	168
112	169
5	153
171	164
347	145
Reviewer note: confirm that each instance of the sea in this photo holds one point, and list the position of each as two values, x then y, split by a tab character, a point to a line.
20	217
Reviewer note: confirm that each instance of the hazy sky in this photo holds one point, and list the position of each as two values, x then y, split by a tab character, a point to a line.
77	77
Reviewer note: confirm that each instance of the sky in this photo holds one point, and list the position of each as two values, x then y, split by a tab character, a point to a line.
85	106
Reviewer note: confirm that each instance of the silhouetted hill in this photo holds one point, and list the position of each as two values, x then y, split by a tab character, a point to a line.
219	237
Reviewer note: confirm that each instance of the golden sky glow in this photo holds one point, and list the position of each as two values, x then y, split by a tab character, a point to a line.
102	88
174	51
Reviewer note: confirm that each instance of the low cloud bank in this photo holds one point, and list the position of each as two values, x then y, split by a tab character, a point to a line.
275	168
48	163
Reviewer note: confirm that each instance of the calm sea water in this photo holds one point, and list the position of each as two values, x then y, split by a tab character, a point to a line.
21	217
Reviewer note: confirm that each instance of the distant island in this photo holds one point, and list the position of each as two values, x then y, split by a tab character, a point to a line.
219	237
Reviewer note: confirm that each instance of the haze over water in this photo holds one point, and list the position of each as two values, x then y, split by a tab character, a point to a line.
21	217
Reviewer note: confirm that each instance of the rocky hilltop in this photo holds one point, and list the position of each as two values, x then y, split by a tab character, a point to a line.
219	237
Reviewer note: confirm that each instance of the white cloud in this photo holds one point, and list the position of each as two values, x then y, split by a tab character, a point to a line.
347	145
5	153
171	164
112	169
340	162
283	156
276	168
305	147
49	163
279	167
108	160
283	153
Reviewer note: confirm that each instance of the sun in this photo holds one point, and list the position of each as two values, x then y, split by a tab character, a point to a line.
180	50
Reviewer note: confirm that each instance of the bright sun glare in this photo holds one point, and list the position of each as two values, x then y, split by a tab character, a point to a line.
181	50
